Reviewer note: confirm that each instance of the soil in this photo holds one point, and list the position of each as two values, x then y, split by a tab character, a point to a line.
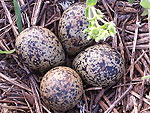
19	86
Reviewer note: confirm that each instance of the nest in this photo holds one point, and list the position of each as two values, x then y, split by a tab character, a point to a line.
19	87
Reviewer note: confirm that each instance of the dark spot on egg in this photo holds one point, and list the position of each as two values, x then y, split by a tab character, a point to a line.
39	48
61	88
71	27
99	65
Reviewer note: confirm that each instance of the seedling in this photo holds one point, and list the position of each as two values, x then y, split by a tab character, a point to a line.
95	30
145	77
7	52
145	4
18	15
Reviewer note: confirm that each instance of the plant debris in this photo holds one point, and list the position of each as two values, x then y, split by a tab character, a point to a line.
19	86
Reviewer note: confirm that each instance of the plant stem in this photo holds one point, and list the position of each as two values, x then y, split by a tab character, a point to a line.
149	26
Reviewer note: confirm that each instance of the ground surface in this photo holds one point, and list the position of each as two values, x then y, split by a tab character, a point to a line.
19	87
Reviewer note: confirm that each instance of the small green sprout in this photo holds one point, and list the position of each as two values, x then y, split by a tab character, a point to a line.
130	1
95	30
145	4
145	77
7	52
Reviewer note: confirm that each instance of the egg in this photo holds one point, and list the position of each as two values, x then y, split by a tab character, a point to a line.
39	48
71	27
61	88
99	65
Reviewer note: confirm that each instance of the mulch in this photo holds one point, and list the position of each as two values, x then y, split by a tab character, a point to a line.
19	86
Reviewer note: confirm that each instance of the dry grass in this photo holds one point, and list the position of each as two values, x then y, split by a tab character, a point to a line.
19	87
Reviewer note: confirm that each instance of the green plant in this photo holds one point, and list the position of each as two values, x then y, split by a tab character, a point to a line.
145	4
145	77
95	30
7	52
18	15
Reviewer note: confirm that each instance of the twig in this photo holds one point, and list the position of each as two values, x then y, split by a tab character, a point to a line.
149	27
120	98
134	46
108	102
36	11
23	93
9	18
142	88
138	96
106	7
135	104
36	96
14	82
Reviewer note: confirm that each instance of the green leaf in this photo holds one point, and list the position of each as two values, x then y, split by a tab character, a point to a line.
145	12
91	2
130	1
112	29
18	15
7	52
87	12
145	4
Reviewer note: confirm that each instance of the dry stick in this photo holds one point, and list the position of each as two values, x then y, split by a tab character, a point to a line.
142	88
144	46
14	82
36	96
27	102
98	97
114	42
108	102
124	101
91	101
149	27
46	109
36	11
135	110
138	68
26	16
43	12
119	99
146	57
11	101
85	99
136	61
105	5
9	18
133	50
103	105
138	96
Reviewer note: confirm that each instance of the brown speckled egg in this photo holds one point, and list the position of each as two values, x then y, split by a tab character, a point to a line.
61	88
39	48
99	65
71	27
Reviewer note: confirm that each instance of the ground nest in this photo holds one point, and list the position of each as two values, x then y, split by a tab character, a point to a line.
19	86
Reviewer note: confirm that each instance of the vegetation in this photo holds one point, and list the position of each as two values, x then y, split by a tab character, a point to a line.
95	30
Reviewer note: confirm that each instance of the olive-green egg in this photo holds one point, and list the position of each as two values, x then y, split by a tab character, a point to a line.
61	88
71	27
99	65
39	48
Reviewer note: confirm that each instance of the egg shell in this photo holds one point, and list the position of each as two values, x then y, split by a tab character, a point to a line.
71	27
61	88
99	65
39	48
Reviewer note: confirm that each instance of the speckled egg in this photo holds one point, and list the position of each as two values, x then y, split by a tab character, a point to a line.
39	48
71	27
61	88
99	65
